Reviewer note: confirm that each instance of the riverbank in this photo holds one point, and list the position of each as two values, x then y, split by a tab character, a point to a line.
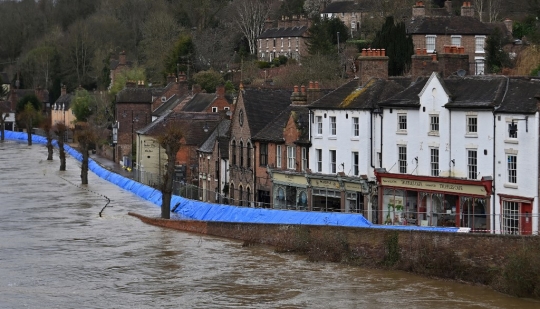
508	264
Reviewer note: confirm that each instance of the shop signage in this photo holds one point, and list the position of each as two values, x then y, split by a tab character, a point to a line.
290	179
322	183
434	186
351	186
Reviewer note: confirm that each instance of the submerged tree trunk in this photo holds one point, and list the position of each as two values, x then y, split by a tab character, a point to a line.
29	130
167	187
62	152
84	166
48	135
60	130
3	117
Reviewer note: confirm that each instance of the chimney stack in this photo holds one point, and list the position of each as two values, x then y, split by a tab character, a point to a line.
299	98
508	24
419	9
372	64
467	9
63	90
130	84
171	78
448	6
313	92
220	91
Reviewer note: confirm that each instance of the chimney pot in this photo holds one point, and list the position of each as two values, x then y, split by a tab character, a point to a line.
383	52
303	89
316	85
296	88
364	52
311	85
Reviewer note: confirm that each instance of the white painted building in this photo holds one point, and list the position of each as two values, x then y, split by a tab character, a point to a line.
448	159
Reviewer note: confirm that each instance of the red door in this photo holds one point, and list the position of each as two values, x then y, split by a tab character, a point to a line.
526	219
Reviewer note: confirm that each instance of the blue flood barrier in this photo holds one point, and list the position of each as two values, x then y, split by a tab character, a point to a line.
198	210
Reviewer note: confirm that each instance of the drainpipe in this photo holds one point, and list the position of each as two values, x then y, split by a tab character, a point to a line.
380	160
494	175
371	139
450	140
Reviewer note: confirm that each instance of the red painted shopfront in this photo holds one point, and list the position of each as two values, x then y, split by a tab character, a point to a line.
434	201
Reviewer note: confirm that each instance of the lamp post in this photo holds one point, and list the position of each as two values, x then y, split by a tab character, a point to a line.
114	138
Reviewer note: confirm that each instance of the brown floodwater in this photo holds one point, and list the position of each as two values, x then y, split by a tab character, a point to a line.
56	252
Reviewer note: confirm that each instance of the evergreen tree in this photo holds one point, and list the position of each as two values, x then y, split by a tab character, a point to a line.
323	35
496	57
398	45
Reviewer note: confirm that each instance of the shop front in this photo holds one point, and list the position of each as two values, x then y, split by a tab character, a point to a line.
434	201
326	194
290	191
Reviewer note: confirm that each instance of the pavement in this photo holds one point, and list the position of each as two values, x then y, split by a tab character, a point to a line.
111	166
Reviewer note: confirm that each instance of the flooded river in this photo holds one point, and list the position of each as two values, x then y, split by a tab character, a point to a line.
56	252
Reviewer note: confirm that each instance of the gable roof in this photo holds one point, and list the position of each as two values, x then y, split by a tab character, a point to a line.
170	104
353	96
64	99
283	32
219	132
134	95
199	102
273	132
263	105
448	25
192	125
470	92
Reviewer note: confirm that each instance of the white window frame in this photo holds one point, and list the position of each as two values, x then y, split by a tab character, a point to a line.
402	122
291	157
402	159
479	66
355	126
434	161
471	122
431	43
455	40
333	125
479	44
510	217
278	156
332	160
318	154
511	168
304	158
355	163
319	125
434	124
472	163
214	109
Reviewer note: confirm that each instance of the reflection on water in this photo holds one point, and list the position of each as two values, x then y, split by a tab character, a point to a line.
56	252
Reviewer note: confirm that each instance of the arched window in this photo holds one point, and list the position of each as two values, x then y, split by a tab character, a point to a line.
233	151
248	191
240	196
241	153
249	148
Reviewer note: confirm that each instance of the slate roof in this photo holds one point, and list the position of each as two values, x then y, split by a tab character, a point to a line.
170	104
408	97
223	129
448	25
347	7
471	92
134	95
273	132
199	102
522	96
475	92
353	96
192	125
283	32
263	105
64	99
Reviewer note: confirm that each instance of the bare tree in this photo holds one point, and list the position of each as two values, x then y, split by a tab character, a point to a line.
28	116
171	140
487	10
251	15
60	129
